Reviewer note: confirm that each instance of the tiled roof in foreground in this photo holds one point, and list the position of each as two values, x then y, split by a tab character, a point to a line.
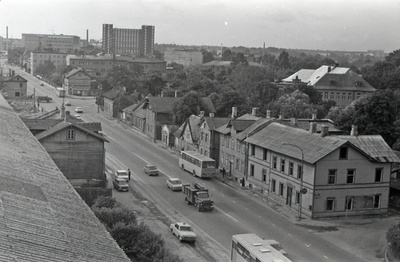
42	218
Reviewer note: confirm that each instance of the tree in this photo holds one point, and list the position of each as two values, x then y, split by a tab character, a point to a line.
228	100
283	60
239	58
227	55
185	107
111	216
207	56
393	238
45	69
108	202
296	104
124	76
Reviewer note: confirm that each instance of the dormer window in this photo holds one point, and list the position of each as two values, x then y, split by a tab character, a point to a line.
358	83
332	82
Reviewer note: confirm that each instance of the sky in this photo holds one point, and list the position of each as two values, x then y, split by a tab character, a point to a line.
342	25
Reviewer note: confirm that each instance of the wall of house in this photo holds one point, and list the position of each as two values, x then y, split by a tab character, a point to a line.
15	89
80	159
232	157
362	191
108	106
78	84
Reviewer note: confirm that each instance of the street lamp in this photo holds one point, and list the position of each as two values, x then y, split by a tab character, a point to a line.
301	178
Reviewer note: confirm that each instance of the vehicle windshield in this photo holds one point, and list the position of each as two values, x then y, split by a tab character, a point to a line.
202	195
185	228
152	167
122	173
176	182
208	164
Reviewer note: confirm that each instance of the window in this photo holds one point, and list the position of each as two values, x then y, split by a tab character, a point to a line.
337	95
252	150
274	162
222	157
378	174
206	137
202	136
332	177
377	201
299	171
349	96
273	185
349	203
252	170
332	82
70	134
227	141
280	189
283	165
233	144
330	204
344	96
238	145
20	84
326	95
237	166
297	197
351	176
265	154
17	94
291	168
343	153
241	165
264	175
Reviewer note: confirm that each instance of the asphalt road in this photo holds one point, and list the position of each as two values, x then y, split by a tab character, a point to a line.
235	212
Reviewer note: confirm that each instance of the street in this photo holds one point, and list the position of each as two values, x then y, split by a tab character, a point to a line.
235	213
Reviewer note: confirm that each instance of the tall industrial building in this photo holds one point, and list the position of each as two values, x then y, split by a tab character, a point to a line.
128	41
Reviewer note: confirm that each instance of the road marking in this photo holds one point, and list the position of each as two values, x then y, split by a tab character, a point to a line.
308	245
326	257
234	201
273	225
226	214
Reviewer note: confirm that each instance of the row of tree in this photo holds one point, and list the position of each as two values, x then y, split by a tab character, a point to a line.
136	239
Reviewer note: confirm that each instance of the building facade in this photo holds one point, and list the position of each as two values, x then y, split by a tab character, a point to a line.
77	82
39	57
320	175
14	87
122	41
60	43
184	57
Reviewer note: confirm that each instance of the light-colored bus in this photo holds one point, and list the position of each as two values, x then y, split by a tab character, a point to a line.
197	164
252	248
60	92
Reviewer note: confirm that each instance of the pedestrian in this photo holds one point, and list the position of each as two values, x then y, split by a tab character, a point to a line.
223	172
129	174
42	109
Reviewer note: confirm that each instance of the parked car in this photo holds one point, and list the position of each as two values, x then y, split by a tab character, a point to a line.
122	174
151	170
79	109
43	99
41	84
120	184
68	103
183	232
78	116
174	184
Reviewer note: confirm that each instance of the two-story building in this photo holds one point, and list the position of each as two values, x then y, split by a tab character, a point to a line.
77	82
14	87
39	57
320	175
187	136
339	84
109	106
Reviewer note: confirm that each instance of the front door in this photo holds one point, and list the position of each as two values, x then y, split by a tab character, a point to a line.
289	196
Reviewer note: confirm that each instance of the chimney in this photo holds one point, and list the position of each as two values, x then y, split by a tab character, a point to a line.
324	130
162	93
268	114
294	121
176	94
67	116
62	111
313	127
354	131
314	116
201	114
329	69
211	114
254	111
280	116
234	112
12	73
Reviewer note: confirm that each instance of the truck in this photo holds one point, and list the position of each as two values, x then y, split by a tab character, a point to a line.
61	92
197	195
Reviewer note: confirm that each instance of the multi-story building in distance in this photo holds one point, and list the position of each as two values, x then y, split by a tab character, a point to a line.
184	57
124	41
38	57
61	43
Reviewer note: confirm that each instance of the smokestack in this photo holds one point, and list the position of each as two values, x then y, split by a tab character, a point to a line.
324	130
234	112
62	111
313	127
354	131
294	121
87	37
254	111
67	116
314	116
268	114
6	32
264	49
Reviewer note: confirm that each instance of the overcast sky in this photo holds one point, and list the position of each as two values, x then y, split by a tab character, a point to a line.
348	25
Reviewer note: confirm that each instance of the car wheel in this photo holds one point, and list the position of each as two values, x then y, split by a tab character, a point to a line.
194	173
180	239
183	167
198	208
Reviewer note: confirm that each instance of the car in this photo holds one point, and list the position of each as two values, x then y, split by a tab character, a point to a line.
68	103
78	116
183	232
79	109
151	170
174	184
122	174
120	184
41	84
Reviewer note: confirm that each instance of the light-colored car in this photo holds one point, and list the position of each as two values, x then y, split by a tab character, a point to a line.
120	184
68	103
151	170
78	116
79	109
183	232
175	184
123	174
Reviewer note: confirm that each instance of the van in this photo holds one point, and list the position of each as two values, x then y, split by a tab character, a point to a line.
122	174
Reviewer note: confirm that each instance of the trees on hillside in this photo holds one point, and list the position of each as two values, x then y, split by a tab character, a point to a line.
185	107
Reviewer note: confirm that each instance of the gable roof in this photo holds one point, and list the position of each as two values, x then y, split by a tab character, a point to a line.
92	126
41	124
165	104
42	217
65	125
314	146
194	125
15	78
215	122
112	94
74	71
237	124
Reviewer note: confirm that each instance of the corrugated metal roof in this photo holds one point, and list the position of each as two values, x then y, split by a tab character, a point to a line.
42	217
314	146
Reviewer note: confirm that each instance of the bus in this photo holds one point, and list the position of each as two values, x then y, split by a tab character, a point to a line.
197	164
60	91
250	247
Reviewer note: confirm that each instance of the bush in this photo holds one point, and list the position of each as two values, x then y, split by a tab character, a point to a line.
108	202
393	237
